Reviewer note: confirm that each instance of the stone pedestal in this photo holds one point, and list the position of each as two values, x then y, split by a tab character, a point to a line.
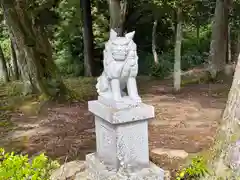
122	142
97	170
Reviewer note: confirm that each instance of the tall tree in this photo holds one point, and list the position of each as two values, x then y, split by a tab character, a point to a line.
24	68
3	67
219	43
154	51
229	47
117	10
228	133
177	54
30	36
14	62
87	37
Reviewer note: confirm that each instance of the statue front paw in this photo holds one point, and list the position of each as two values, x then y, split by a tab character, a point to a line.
137	99
118	99
117	96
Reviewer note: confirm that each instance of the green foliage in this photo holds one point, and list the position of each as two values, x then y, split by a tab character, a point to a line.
81	88
67	66
68	37
64	25
5	41
166	62
194	53
13	89
6	47
165	66
194	171
5	123
20	167
67	34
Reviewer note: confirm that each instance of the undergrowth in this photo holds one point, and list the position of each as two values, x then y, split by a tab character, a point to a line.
21	167
81	89
196	170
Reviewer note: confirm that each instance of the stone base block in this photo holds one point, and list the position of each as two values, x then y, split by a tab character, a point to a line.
125	103
98	171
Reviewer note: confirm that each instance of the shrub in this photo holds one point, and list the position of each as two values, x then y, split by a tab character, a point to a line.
194	171
165	66
67	65
20	167
194	53
189	60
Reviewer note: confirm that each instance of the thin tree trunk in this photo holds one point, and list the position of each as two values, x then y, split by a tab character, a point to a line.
123	5
229	49
117	10
177	54
3	67
154	51
24	69
16	74
218	47
10	70
236	47
88	37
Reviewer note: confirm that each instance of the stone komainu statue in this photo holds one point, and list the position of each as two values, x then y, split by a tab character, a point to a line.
120	68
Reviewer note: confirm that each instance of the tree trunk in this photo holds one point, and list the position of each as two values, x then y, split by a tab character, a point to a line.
9	68
236	47
154	51
228	134
32	39
218	47
197	28
14	62
229	48
177	54
88	37
24	69
3	67
117	10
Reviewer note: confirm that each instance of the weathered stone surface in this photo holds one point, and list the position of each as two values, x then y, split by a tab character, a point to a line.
171	153
167	175
120	116
125	102
122	135
120	62
98	171
68	170
233	157
81	176
125	141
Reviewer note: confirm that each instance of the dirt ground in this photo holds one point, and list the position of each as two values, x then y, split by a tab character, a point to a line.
187	121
